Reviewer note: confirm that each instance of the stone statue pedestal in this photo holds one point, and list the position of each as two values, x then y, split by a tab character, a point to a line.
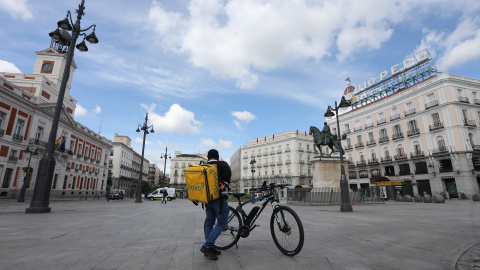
326	171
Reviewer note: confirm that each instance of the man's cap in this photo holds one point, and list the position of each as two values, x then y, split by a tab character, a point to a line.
213	154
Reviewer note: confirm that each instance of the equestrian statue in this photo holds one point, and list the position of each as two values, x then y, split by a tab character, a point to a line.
325	137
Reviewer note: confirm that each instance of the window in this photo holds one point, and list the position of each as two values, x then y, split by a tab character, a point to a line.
38	135
416	148
409	106
394	111
359	139
404	169
435	118
65	180
400	151
412	125
18	127
465	114
54	184
349	143
430	97
2	117
470	138
381	116
386	152
383	133
421	168
72	144
73	183
396	130
389	171
460	92
445	165
370	137
441	144
347	128
368	122
79	149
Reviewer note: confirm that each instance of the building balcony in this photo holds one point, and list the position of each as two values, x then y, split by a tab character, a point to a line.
397	136
386	159
272	163
435	126
309	151
259	154
431	104
12	159
259	165
371	142
272	152
463	99
359	145
409	112
400	156
265	154
440	150
17	137
288	162
381	121
85	157
245	166
2	132
76	169
413	132
373	161
357	129
395	117
301	150
469	123
476	101
279	163
301	161
361	163
79	156
287	150
351	163
37	142
348	147
92	160
265	165
417	154
383	139
368	125
279	151
346	131
245	157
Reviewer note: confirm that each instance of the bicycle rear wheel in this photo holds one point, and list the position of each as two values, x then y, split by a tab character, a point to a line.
229	235
287	230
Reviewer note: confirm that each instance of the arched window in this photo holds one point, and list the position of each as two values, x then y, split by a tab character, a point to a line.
400	151
441	143
417	149
386	152
470	138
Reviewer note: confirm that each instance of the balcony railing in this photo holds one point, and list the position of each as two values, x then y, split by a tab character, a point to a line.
463	99
287	150
413	132
2	131
386	159
245	157
381	121
431	104
373	161
435	126
37	142
265	154
440	150
476	101
383	139
272	163
357	129
395	117
361	163
272	152
409	112
17	137
417	154
265	165
79	156
279	163
397	136
288	162
301	161
368	125
371	142
348	147
279	151
14	159
346	131
359	145
259	154
400	156
301	150
470	123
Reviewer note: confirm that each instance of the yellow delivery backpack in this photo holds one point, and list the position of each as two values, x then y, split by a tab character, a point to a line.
202	182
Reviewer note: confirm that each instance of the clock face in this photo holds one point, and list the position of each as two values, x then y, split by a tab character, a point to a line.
47	67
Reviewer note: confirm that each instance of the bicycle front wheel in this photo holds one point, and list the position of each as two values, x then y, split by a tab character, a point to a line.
287	230
229	235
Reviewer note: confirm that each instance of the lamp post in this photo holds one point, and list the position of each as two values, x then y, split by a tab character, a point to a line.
145	128
165	166
46	167
26	179
252	162
345	206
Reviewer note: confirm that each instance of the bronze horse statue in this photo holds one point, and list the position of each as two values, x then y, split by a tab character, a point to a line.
325	138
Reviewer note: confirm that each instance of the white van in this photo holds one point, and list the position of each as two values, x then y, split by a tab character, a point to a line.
157	194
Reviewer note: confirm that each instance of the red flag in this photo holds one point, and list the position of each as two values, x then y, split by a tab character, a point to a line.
274	136
257	140
297	131
265	138
305	133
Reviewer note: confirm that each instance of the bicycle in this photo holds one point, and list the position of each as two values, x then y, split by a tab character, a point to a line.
285	225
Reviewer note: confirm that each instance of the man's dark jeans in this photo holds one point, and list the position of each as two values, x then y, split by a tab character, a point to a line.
212	210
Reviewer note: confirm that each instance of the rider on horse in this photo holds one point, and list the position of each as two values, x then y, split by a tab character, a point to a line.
327	135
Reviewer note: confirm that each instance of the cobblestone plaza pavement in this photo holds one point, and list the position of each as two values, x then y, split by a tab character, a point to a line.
96	234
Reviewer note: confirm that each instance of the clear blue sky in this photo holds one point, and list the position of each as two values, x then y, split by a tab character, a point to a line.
216	74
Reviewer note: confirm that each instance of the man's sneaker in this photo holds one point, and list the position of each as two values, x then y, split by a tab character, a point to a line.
210	252
215	251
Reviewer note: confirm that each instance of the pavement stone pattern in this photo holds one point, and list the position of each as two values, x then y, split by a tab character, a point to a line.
96	234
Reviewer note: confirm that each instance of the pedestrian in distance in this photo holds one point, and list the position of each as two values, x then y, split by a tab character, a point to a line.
216	209
165	195
107	193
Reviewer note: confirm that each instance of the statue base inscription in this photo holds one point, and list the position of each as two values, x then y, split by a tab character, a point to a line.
326	171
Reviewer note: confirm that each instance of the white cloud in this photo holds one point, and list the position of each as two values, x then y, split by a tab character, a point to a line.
242	118
80	111
239	38
8	67
455	48
17	9
140	140
221	144
176	120
97	110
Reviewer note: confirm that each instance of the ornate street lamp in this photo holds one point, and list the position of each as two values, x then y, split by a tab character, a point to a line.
252	163
165	166
145	128
345	206
46	167
28	173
